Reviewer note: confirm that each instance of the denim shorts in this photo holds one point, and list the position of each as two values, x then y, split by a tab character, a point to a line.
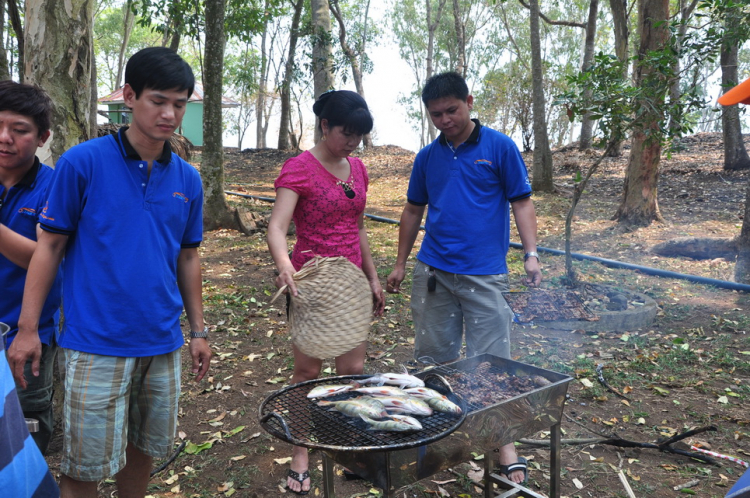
111	401
445	304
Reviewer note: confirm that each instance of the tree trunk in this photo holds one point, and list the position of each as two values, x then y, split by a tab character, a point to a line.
587	124
675	92
127	29
742	267
15	21
58	59
639	206
351	56
216	212
735	154
542	168
286	84
619	9
460	40
260	102
322	52
4	69
432	25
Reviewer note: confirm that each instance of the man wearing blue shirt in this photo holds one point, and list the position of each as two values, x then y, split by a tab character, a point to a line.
469	177
24	126
127	215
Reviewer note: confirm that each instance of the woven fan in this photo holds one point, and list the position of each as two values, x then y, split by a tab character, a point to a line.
331	314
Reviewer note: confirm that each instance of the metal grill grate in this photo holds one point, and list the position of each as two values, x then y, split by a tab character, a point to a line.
289	415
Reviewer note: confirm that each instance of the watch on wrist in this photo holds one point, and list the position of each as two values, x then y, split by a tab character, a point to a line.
531	254
199	335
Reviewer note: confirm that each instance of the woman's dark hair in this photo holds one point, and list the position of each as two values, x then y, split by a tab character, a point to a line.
344	108
158	68
28	100
448	84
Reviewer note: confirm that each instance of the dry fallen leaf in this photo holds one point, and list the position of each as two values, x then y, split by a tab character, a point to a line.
282	461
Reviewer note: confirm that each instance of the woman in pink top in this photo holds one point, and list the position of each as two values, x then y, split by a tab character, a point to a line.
324	191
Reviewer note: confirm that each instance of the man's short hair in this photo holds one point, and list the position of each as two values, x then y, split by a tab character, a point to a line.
158	68
27	100
448	84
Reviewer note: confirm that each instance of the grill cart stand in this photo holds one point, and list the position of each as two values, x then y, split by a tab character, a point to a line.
392	461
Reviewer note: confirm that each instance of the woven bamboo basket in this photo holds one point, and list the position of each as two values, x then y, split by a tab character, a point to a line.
331	314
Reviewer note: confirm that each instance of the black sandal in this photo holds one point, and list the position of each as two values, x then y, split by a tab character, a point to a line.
521	464
299	478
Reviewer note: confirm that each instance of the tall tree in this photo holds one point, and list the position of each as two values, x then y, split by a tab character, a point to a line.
460	28
542	167
127	29
322	53
735	154
587	124
58	58
639	206
14	14
216	212
620	16
353	54
260	104
285	114
4	69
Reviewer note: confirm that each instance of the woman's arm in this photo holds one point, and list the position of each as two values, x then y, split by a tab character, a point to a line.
368	266
278	226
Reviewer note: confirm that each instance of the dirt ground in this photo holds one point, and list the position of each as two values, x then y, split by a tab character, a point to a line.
688	370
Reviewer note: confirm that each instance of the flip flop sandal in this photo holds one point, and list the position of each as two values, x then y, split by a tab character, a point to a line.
301	479
521	464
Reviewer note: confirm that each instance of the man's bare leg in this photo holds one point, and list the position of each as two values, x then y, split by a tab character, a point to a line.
70	488
132	480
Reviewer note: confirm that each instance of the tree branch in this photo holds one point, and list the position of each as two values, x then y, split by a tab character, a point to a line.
555	23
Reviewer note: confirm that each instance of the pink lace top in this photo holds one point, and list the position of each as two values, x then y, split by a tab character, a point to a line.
325	218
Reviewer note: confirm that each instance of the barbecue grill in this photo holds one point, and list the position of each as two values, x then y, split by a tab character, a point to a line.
394	460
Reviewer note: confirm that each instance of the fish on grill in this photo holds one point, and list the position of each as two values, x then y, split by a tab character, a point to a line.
356	407
329	390
396	423
405	404
402	380
381	391
443	404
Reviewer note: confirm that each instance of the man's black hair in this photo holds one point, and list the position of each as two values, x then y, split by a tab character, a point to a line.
27	100
344	108
448	84
158	68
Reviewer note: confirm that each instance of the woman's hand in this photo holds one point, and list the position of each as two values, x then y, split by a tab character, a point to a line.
286	278
378	297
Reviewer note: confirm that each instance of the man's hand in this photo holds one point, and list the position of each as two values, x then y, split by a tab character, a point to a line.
533	273
201	355
24	348
393	284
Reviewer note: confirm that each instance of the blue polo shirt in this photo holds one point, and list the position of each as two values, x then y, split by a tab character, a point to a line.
20	211
468	191
126	229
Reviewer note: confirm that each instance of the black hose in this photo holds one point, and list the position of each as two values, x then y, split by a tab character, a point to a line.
724	284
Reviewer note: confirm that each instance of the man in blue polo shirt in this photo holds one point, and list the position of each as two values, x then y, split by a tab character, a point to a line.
24	126
468	176
127	215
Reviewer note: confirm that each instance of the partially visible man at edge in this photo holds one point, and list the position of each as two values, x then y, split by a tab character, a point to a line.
24	126
126	213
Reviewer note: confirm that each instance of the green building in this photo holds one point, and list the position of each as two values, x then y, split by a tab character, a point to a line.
192	123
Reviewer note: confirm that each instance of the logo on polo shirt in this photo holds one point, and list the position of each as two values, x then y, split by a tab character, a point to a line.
180	196
483	161
27	212
44	212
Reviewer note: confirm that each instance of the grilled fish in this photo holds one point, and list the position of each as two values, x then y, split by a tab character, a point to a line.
356	407
423	393
405	404
443	404
329	390
381	391
402	380
401	424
